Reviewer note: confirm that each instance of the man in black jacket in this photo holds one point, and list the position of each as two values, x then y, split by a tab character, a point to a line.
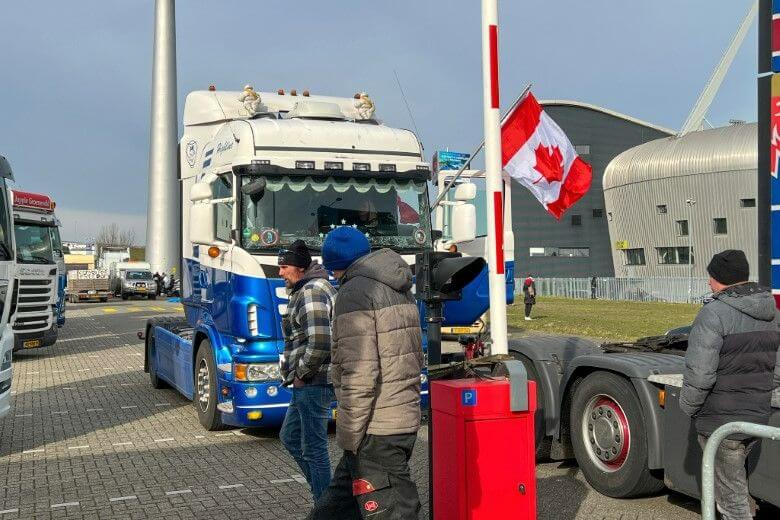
729	368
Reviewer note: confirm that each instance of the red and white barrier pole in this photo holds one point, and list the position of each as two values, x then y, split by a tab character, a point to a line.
494	182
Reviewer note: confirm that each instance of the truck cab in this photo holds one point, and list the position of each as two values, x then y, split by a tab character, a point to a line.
470	189
256	177
34	316
7	287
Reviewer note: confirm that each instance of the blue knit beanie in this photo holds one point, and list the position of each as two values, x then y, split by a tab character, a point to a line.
342	246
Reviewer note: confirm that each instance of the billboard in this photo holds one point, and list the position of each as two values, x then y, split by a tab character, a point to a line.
447	160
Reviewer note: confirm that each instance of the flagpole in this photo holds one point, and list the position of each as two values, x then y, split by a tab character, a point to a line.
494	181
465	165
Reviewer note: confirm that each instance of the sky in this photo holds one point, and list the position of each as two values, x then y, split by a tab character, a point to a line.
76	76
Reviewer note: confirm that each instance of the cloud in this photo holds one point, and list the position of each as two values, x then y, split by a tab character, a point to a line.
83	225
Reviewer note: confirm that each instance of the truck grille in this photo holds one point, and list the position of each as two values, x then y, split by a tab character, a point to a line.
33	306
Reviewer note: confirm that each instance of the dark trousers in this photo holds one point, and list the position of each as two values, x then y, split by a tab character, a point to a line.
528	307
373	484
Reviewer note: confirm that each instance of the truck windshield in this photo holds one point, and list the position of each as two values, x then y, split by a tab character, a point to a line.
56	243
5	230
139	275
391	213
33	244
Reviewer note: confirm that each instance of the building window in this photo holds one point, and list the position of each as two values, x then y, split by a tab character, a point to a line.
598	213
576	220
747	203
582	149
634	256
682	228
568	252
661	209
719	226
674	255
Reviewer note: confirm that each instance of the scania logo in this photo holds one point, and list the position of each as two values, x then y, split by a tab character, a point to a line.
29	271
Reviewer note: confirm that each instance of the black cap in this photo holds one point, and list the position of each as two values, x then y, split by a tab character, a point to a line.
297	254
729	267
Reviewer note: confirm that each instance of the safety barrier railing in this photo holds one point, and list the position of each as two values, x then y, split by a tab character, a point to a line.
708	460
678	290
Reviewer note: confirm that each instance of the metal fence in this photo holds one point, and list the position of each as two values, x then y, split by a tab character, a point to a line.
708	459
678	290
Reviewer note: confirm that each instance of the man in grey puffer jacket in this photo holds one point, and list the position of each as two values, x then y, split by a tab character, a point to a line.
376	359
731	368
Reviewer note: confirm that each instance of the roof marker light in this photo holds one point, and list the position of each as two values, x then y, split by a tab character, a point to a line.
361	167
387	167
280	92
305	93
293	92
332	165
304	165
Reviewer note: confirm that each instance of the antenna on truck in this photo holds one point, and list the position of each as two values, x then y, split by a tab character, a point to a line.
213	90
408	109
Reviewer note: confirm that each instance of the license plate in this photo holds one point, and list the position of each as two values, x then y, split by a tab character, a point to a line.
91	292
461	330
31	343
140	289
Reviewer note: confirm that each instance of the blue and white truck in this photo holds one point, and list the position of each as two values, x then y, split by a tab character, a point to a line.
33	316
255	177
7	287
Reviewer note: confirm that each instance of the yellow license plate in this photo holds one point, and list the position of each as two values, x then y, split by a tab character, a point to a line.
141	289
461	330
31	343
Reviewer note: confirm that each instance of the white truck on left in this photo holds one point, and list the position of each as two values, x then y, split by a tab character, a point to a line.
7	283
33	317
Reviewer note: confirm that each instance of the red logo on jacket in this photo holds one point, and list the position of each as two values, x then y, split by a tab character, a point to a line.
371	506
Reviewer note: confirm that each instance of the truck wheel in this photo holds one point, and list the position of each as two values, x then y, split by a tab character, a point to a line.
104	300
151	360
608	436
541	439
125	296
152	296
206	388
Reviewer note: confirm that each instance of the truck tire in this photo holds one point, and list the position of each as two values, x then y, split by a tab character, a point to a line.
542	441
608	436
157	383
152	296
205	398
125	296
104	299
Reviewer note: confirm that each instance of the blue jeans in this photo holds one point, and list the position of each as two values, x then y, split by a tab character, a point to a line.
305	433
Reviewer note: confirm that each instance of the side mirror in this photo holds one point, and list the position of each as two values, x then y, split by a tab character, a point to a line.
203	221
5	169
466	191
464	223
255	189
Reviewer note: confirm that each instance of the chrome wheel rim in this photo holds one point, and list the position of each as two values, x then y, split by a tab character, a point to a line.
606	433
204	386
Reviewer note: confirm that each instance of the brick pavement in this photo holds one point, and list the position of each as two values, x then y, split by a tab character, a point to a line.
87	437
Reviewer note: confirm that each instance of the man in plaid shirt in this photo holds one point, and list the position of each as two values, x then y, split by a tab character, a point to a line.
306	327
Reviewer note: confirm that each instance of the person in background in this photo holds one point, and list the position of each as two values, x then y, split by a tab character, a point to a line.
376	358
158	282
166	282
529	296
453	248
307	344
731	365
593	285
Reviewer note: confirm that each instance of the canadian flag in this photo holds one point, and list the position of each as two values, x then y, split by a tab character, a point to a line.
537	154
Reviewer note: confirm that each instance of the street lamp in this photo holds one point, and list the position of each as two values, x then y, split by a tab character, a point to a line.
690	203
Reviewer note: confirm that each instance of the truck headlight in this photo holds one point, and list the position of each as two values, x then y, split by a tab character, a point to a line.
256	372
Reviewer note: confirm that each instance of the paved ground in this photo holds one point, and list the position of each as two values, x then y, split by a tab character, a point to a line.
87	437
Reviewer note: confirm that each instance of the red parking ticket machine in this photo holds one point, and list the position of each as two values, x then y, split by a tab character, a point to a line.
483	448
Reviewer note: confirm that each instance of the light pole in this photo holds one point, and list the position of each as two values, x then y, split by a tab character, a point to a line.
690	202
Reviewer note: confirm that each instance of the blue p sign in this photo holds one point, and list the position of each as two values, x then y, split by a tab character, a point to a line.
468	397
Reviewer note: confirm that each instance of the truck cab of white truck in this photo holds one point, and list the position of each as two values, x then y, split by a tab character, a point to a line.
257	173
33	317
7	287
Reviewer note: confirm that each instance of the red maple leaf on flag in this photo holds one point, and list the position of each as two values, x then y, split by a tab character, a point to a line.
549	163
